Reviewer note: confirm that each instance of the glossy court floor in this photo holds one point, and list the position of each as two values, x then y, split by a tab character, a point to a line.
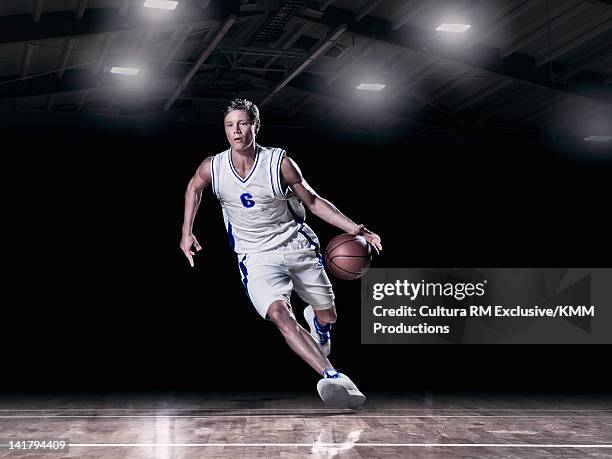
298	425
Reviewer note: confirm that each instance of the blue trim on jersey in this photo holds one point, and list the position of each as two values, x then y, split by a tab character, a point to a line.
245	275
300	221
252	170
272	176
230	235
278	175
212	173
316	246
294	215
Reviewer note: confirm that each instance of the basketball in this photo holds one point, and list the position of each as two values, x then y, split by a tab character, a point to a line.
348	256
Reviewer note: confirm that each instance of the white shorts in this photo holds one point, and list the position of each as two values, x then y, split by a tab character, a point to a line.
296	265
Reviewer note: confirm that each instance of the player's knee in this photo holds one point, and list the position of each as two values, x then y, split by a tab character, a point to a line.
280	314
327	315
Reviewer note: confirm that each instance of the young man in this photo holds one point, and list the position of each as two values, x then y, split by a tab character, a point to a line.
261	192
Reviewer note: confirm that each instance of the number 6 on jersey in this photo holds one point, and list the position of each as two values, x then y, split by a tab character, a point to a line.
247	200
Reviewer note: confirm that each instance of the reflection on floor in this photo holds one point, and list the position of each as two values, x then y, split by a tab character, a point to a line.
298	425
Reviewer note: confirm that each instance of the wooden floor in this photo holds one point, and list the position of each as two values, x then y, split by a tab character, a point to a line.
298	425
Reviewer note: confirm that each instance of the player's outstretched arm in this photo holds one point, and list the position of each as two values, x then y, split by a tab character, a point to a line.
322	208
193	196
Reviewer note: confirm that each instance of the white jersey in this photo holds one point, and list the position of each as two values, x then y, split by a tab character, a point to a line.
259	215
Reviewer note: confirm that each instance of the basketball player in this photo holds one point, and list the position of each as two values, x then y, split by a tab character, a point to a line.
262	194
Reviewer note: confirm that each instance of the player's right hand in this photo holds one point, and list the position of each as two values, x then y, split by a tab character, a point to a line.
187	242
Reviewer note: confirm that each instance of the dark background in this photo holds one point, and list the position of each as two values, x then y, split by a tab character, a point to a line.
98	295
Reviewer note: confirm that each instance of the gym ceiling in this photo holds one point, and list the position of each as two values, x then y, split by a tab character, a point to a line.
523	68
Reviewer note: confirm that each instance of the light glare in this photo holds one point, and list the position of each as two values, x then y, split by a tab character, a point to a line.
453	27
371	86
125	70
161	4
598	138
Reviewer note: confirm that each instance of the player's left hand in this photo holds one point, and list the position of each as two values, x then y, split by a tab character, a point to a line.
372	238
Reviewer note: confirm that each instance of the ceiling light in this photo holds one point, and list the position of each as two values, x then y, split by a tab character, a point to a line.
125	70
371	86
453	27
161	4
598	138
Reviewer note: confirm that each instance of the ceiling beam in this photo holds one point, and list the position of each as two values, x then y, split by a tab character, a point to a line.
80	10
12	87
475	98
579	64
81	101
64	24
515	9
314	84
553	104
325	4
540	28
600	3
420	73
106	46
176	43
406	13
318	51
71	45
517	98
352	60
295	35
579	36
49	104
26	61
97	66
559	120
123	7
445	89
300	105
73	80
37	10
223	29
516	67
536	106
366	9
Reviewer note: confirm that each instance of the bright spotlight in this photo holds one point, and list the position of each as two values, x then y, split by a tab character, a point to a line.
160	4
371	86
125	70
453	27
598	138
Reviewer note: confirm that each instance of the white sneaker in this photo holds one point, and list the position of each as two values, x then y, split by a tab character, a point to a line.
323	338
340	392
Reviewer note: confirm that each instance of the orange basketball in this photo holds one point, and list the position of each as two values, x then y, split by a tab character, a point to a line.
348	256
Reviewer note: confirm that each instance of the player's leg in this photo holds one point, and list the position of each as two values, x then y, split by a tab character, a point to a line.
335	389
320	320
311	283
268	284
298	339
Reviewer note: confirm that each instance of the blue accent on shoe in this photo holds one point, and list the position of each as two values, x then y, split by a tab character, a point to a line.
321	328
331	373
322	332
